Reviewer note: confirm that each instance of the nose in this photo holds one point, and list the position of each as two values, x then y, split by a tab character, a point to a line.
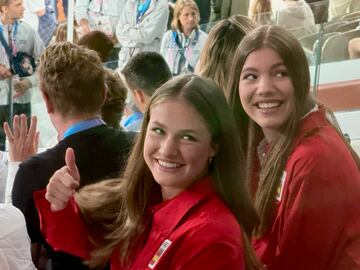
168	147
264	86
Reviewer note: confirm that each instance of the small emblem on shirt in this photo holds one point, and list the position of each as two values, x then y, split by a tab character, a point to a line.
164	246
280	189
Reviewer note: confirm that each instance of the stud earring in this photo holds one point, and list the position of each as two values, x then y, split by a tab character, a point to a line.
210	160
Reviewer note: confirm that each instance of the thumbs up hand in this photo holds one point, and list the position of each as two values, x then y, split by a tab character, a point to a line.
63	183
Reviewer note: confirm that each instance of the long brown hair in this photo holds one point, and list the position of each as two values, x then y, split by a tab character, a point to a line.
217	55
293	56
131	197
294	59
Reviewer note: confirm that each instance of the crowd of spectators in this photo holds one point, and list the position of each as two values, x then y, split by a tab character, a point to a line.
185	146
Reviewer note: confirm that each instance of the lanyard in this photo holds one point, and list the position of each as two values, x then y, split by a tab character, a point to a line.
132	118
83	125
184	51
11	38
176	40
141	8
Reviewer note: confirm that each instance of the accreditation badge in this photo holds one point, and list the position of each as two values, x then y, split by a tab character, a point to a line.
280	188
164	246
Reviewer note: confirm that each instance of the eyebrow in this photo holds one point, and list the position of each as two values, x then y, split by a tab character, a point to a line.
179	131
276	65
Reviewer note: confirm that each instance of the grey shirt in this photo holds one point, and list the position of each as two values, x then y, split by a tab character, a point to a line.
26	40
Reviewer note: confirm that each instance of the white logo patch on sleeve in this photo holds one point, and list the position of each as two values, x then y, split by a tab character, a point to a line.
164	246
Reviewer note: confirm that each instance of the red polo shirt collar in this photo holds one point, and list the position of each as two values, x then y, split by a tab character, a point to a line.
310	125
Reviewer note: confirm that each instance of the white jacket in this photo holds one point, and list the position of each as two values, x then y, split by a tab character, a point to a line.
99	12
29	41
14	240
295	14
144	36
191	48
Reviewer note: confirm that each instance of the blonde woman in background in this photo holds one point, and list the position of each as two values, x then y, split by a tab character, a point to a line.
181	46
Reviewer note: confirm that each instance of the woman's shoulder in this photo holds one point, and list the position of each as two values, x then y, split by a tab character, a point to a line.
323	153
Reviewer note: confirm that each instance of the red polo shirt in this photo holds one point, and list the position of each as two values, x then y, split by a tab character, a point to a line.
194	230
317	222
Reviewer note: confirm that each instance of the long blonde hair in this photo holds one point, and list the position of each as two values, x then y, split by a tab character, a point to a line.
115	210
179	5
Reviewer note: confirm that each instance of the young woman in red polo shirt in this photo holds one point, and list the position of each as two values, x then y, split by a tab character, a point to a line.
304	176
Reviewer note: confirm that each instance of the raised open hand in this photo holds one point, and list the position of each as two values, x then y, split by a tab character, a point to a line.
23	141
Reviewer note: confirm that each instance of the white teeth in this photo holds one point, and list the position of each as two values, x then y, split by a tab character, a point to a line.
267	105
168	164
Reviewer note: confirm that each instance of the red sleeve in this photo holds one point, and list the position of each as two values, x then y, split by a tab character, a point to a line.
64	230
315	214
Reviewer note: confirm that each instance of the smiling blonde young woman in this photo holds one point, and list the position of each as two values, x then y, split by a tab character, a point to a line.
182	202
304	176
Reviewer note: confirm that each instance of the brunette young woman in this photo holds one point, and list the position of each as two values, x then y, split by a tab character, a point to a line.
304	176
182	202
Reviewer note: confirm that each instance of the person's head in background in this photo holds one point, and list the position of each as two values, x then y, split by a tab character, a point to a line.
186	16
218	53
112	110
99	42
61	33
144	73
72	83
260	11
11	10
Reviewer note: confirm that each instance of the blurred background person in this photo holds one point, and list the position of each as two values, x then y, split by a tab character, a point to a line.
182	45
219	49
99	42
142	82
98	15
33	9
341	7
19	37
47	23
295	14
141	27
